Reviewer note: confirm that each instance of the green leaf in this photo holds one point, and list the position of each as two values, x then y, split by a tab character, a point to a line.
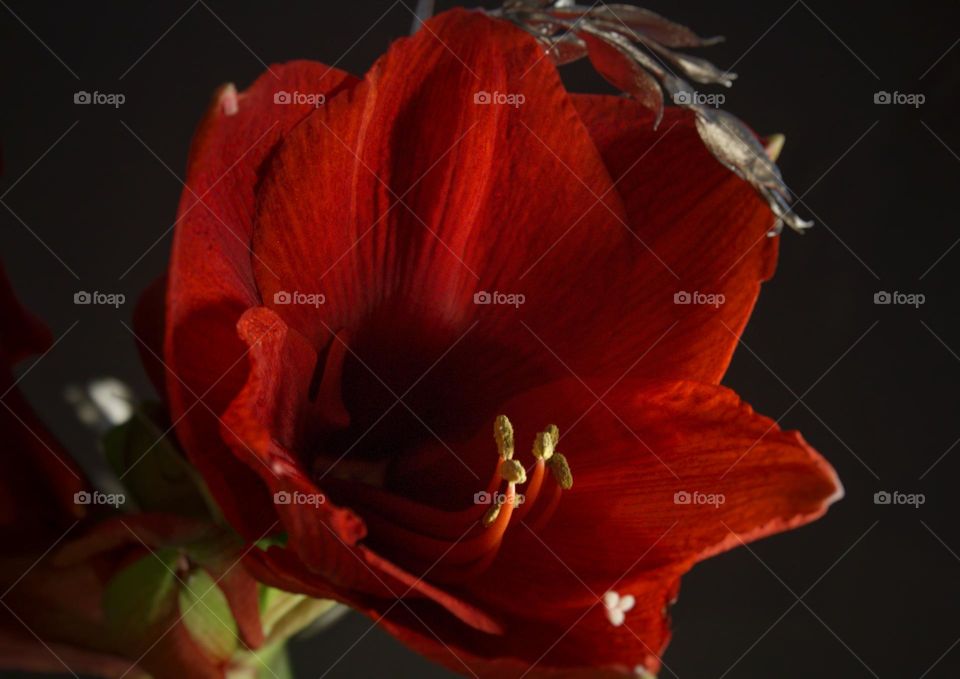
142	594
284	614
279	540
218	548
207	616
271	662
279	665
153	470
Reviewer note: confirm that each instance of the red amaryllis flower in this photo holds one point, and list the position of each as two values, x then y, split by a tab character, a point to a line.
359	288
30	452
62	566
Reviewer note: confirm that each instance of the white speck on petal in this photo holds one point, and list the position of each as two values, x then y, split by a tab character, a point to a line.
611	599
617	607
229	102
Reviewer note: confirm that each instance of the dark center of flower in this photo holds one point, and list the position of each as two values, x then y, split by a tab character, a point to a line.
399	408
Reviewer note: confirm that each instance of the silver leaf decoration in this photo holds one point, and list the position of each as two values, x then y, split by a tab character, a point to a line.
566	48
615	63
634	50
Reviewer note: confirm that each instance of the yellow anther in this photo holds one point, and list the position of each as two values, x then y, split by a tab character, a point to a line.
503	435
543	446
554	434
512	471
561	471
491	514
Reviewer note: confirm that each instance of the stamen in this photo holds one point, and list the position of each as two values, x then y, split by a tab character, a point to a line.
561	471
532	489
544	451
491	515
546	509
554	432
510	498
544	445
512	471
503	435
474	555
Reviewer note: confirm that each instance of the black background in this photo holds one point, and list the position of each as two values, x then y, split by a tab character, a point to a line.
878	383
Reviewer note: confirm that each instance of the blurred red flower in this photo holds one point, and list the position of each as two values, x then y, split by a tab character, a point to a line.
367	272
61	556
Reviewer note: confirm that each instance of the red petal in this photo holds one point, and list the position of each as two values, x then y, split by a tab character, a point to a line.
655	440
211	283
243	596
282	568
706	231
620	527
579	651
263	425
394	197
148	324
39	478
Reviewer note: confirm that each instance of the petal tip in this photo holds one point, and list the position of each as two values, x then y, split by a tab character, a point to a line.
774	146
839	491
228	99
